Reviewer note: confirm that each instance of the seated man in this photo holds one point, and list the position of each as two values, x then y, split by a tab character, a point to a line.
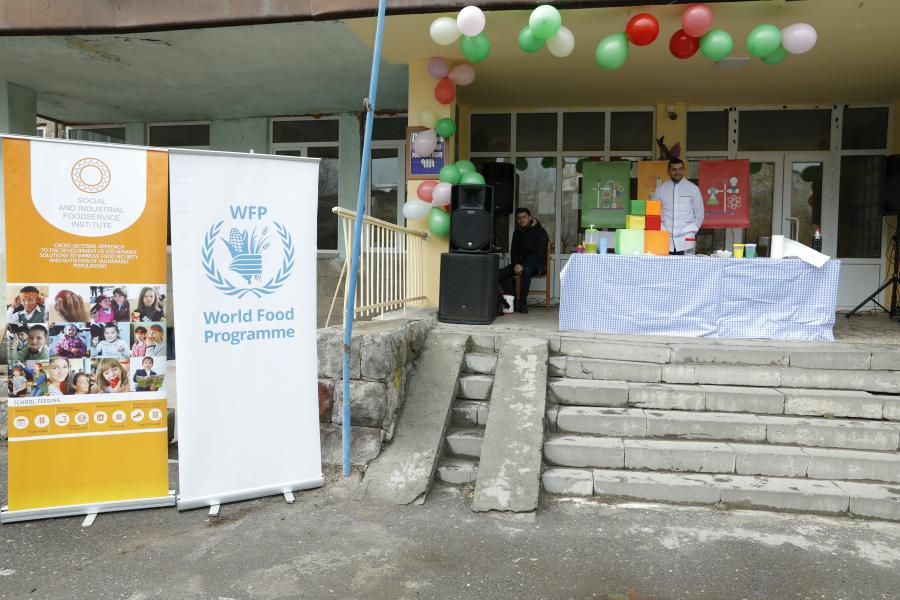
528	256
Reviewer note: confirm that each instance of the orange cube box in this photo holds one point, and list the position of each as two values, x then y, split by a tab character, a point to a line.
653	222
656	242
653	207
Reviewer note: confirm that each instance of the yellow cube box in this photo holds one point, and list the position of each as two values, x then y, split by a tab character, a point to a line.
656	242
635	222
654	207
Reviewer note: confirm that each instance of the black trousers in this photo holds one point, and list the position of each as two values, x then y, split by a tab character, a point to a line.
506	277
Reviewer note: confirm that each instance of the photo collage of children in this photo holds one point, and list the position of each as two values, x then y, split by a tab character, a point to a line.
85	339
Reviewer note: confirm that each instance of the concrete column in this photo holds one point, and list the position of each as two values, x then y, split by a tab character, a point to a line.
240	135
18	109
136	134
350	153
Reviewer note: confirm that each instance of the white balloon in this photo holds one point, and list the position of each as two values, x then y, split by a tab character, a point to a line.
799	38
562	43
441	194
470	21
444	31
415	209
425	143
462	74
427	119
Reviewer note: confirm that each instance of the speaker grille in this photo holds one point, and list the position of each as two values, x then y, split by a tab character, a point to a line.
471	218
468	288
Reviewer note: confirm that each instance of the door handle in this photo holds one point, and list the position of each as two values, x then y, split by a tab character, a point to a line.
794	227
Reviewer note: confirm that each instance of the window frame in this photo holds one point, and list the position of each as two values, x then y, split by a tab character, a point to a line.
176	123
99	126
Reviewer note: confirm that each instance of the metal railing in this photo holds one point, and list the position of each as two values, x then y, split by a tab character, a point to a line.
390	266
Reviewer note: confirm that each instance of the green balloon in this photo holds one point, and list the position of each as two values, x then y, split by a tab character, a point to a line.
776	57
764	40
579	166
544	21
473	178
716	45
439	222
475	48
755	168
521	164
445	127
612	51
465	166
449	174
528	41
548	162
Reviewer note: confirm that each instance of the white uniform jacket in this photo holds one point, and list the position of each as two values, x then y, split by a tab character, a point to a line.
682	212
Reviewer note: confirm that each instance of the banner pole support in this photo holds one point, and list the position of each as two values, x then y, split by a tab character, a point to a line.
214	510
88	520
289	497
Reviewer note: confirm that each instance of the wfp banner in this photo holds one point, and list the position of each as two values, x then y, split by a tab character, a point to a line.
244	273
650	175
725	187
86	327
605	193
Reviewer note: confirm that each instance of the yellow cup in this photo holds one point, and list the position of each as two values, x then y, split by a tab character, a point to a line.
739	251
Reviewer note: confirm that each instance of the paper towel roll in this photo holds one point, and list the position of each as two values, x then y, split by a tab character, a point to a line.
777	248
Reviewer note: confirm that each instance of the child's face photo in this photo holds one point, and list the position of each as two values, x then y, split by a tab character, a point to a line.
148	363
22	336
58	370
105	303
110	374
71	331
30	300
156	336
37	339
120	298
110	334
141	336
149	297
82	384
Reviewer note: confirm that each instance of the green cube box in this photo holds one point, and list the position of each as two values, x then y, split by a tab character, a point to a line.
638	207
629	241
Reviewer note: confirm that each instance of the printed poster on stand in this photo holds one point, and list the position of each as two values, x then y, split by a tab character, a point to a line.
605	194
244	271
651	175
725	187
86	327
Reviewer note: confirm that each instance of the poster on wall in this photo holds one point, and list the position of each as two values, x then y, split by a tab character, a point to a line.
86	327
244	272
725	187
605	193
423	167
651	175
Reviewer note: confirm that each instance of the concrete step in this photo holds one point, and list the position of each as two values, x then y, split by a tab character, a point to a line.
798	495
481	364
475	387
725	398
737	427
470	413
457	471
571	450
464	443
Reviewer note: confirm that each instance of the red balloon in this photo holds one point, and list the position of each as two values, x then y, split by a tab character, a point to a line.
426	189
445	91
642	29
682	45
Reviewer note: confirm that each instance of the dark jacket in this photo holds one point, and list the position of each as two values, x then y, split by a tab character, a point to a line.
529	246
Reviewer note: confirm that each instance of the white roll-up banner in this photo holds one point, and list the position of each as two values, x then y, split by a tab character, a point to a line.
244	275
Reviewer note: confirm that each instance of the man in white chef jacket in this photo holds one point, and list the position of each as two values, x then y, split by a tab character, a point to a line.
682	208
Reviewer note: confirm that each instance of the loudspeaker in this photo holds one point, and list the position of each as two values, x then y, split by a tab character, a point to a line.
469	288
892	186
501	177
471	218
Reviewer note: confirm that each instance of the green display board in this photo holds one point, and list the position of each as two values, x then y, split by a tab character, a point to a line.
605	194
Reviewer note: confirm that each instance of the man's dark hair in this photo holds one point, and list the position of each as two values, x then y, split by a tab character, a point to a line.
522	209
29	288
675	161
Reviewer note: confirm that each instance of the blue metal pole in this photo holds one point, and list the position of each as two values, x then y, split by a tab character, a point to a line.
357	232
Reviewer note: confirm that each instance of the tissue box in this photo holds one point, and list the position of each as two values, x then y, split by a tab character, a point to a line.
638	207
634	222
653	222
653	207
656	242
630	241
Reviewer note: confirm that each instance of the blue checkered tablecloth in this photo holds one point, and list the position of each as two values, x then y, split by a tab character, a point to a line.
699	296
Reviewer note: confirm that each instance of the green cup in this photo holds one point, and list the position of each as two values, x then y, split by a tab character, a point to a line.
750	250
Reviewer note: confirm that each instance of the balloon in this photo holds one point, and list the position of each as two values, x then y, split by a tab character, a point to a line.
450	174
544	21
579	166
528	41
462	74
441	195
475	48
474	178
612	51
681	45
438	67
445	91
716	45
642	29
562	44
425	191
548	162
799	38
427	119
776	57
764	40
696	20
415	209
444	31
470	21
521	164
465	166
425	143
439	222
446	127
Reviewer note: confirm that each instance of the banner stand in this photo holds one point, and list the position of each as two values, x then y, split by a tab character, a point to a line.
85	509
249	494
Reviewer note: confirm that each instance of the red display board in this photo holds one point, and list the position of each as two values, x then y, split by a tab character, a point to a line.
725	187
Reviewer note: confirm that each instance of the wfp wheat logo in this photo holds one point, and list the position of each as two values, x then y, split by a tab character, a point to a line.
258	257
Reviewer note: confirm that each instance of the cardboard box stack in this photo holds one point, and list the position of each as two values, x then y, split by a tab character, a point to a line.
643	230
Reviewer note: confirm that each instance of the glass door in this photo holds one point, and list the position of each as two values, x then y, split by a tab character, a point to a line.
766	174
807	200
386	182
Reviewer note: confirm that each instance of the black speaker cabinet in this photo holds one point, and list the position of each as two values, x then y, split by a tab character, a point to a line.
501	177
469	289
471	218
892	186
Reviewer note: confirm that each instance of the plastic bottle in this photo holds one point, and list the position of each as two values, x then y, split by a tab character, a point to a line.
817	240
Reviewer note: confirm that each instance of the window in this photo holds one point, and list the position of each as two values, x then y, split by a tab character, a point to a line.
389	128
536	132
584	131
784	130
631	131
859	219
304	131
178	135
707	131
110	134
864	128
491	133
